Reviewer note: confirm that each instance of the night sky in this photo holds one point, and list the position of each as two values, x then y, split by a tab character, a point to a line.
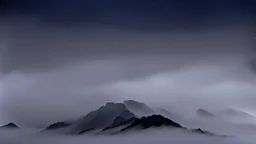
128	11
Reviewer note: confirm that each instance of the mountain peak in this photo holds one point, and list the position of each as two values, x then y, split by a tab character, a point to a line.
117	117
134	103
10	125
110	104
203	112
152	121
103	117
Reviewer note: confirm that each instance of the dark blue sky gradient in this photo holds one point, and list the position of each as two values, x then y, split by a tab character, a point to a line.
27	39
133	11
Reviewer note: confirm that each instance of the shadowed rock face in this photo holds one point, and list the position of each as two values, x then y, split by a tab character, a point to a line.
109	115
152	121
124	116
105	116
204	113
120	122
160	121
138	108
58	125
10	126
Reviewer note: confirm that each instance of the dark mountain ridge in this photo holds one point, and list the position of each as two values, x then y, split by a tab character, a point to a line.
152	121
58	125
9	126
114	118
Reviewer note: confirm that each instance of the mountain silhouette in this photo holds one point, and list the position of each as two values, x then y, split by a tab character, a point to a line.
119	124
123	117
113	118
10	126
109	116
152	121
236	116
58	125
105	116
204	113
138	108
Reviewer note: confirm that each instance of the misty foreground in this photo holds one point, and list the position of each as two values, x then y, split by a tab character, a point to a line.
163	136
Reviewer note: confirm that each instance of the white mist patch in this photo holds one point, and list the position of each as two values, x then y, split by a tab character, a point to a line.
197	86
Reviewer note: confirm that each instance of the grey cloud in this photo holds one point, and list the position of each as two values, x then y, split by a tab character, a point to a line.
70	92
55	73
30	45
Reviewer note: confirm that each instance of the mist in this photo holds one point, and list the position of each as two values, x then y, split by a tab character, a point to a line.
151	136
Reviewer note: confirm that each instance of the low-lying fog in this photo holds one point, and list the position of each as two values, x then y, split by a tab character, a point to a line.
163	136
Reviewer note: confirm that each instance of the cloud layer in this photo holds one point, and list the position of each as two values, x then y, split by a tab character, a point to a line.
51	70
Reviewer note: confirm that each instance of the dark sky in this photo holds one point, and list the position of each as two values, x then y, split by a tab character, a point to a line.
115	11
62	58
29	22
